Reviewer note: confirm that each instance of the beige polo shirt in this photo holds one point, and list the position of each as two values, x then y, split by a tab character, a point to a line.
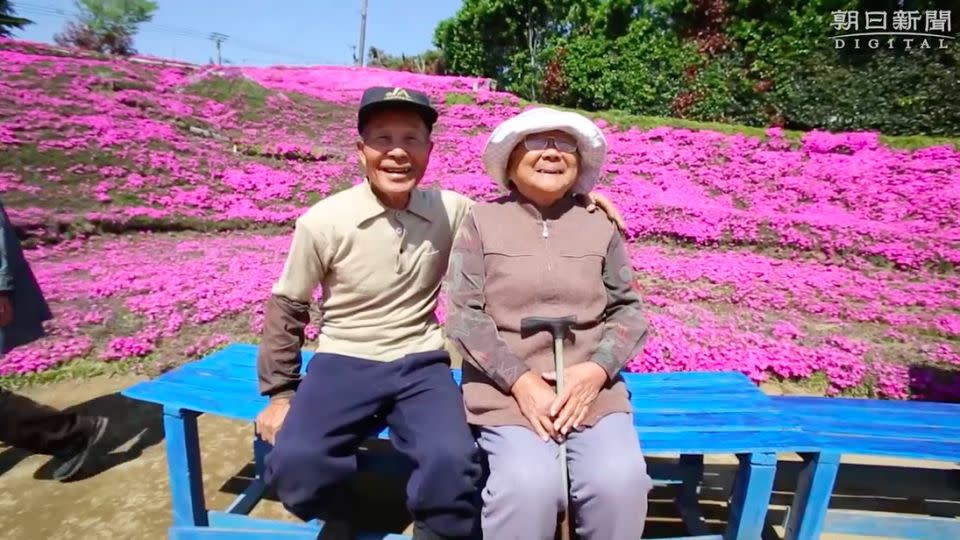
380	269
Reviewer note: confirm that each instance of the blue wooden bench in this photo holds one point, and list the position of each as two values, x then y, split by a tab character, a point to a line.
902	429
690	414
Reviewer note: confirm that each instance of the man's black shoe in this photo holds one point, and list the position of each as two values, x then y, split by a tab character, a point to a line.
336	529
73	459
421	532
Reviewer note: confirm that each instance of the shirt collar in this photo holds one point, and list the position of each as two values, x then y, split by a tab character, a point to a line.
552	213
371	207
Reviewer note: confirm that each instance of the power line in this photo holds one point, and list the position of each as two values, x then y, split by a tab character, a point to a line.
169	30
63	13
218	38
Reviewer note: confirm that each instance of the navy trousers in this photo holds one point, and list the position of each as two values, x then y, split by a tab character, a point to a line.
342	399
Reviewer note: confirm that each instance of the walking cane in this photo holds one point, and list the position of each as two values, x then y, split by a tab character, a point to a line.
558	327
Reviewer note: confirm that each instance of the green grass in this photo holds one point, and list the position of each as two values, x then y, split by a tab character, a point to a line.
225	89
79	369
458	98
31	156
249	94
104	71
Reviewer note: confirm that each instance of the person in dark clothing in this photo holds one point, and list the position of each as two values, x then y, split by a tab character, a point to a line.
24	423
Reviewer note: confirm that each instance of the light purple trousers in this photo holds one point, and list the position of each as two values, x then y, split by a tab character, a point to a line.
608	482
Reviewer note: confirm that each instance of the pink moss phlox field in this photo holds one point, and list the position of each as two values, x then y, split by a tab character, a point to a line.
829	258
165	287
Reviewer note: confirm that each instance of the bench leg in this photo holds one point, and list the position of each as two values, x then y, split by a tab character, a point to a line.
251	496
183	464
688	496
812	499
751	496
260	450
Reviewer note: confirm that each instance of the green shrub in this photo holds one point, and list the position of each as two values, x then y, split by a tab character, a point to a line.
638	72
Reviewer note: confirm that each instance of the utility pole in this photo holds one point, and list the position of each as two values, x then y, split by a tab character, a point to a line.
218	38
363	32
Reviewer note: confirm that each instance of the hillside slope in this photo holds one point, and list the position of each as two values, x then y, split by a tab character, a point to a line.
828	259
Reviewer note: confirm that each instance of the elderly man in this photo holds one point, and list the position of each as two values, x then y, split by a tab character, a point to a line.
379	251
25	423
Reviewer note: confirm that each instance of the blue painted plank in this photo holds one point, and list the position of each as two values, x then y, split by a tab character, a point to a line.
754	420
241	355
229	364
714	403
184	386
893	420
225	521
184	396
906	447
210	381
831	405
641	385
240	400
230	373
731	442
246	501
207	533
222	520
183	466
193	389
891	525
876	429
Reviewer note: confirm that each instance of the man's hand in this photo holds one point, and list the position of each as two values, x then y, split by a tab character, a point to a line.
270	420
534	396
582	383
6	310
596	200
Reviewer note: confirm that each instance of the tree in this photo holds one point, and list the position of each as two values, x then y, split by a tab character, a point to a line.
107	26
9	19
510	40
430	62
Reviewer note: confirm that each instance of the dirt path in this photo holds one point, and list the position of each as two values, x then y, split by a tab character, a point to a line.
125	495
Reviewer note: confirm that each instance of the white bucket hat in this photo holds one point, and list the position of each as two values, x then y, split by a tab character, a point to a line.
591	144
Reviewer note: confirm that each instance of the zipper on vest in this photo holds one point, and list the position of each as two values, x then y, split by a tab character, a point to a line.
545	234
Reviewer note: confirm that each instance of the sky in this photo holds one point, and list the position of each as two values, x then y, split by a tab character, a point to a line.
278	32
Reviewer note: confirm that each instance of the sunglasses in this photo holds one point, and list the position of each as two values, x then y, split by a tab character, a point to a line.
541	142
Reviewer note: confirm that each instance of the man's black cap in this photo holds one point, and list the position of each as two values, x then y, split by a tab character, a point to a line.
378	98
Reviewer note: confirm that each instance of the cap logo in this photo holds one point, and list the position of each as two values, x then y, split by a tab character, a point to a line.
397	93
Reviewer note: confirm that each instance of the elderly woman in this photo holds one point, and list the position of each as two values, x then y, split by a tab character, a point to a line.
537	252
